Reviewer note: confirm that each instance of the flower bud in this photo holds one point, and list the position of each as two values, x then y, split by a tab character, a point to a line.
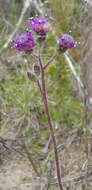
37	68
31	75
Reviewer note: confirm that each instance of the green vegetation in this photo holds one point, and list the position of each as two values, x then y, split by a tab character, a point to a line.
19	96
21	105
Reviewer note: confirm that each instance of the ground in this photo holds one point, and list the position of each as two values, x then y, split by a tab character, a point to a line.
16	172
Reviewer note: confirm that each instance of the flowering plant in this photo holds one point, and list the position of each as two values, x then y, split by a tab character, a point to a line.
24	42
27	42
40	25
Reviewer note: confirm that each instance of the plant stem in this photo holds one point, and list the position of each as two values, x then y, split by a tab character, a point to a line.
48	63
44	94
30	159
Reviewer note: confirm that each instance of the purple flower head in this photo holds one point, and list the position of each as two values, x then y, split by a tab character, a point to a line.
24	42
66	41
40	25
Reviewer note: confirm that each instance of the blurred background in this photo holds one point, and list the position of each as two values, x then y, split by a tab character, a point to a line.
69	87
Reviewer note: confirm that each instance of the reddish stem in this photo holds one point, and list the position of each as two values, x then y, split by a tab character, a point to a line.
49	62
44	94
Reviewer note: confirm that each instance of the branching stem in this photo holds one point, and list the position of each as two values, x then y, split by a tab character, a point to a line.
44	95
50	61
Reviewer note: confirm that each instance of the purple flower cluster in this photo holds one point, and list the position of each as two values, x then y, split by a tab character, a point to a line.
65	42
26	41
40	25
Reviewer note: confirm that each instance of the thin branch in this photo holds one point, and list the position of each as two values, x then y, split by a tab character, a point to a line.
50	61
39	7
30	159
39	85
7	22
5	145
